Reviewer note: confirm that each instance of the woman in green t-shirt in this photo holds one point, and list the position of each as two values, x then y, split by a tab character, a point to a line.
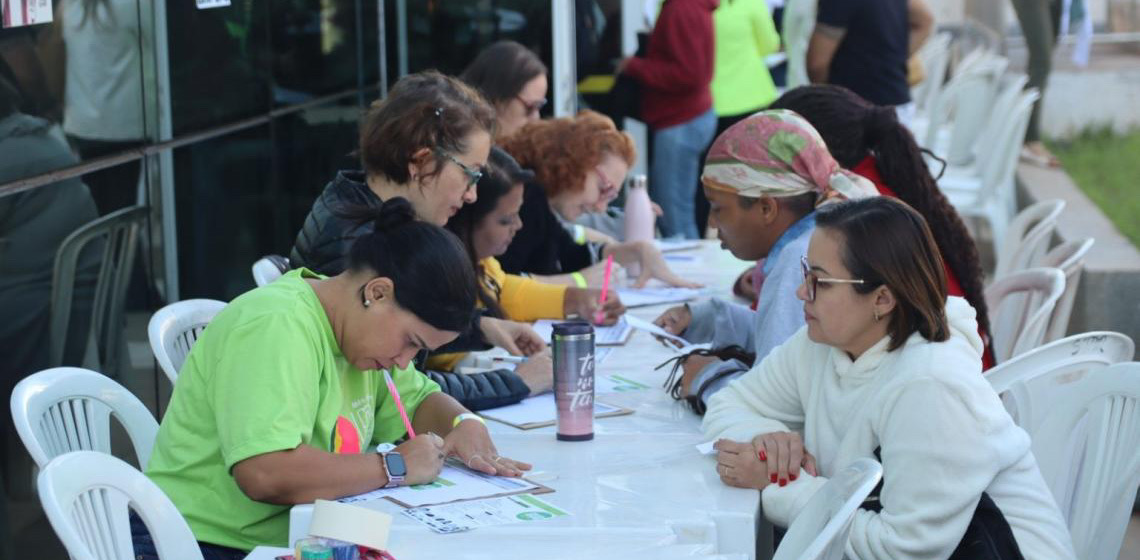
281	397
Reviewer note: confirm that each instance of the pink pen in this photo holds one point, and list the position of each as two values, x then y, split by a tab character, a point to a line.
599	315
399	404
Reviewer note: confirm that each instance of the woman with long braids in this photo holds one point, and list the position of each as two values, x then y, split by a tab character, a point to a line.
869	140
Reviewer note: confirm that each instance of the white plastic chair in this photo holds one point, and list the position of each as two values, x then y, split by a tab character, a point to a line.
986	193
67	409
174	329
1028	237
269	268
1069	258
820	531
88	496
1088	449
1071	356
1020	306
935	57
957	116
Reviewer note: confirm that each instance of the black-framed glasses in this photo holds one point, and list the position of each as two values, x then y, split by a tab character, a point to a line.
473	175
813	280
532	107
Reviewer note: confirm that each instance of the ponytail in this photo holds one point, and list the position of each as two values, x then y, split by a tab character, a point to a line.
426	263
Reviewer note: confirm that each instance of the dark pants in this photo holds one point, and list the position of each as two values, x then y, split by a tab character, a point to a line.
1040	23
115	187
145	549
701	203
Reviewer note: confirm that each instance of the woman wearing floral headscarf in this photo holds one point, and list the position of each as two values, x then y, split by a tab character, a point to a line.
764	178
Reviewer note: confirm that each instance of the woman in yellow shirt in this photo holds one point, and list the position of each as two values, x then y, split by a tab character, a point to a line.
486	228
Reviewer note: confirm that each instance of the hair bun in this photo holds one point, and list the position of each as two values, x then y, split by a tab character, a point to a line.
395	212
879	121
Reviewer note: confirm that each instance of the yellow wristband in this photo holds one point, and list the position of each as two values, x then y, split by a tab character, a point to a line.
579	280
467	416
579	234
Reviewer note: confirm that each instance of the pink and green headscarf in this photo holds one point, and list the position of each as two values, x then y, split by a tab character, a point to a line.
779	154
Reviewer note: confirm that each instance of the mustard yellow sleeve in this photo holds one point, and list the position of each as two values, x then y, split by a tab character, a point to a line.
525	299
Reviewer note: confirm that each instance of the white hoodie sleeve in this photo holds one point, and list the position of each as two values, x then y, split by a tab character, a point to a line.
766	399
939	454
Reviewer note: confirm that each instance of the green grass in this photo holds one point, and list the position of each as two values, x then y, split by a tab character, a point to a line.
1107	168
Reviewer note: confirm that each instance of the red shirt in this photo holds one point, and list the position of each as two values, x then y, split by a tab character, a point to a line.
869	171
677	68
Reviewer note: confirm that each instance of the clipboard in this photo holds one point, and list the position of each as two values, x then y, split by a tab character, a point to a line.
455	470
541	411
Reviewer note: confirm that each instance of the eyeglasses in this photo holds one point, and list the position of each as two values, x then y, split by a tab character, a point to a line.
532	107
473	175
812	280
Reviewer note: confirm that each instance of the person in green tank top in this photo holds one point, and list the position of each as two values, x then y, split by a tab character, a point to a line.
283	395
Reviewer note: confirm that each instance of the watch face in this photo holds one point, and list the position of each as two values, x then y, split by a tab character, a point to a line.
395	463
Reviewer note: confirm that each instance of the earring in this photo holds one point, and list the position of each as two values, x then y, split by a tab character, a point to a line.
367	302
876	312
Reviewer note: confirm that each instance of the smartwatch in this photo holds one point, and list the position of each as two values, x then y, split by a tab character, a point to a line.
394	467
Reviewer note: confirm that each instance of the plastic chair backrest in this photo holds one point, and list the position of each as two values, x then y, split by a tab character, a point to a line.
118	232
997	171
88	497
269	268
1009	88
69	409
820	531
1020	305
1028	236
973	108
935	57
1088	450
174	329
1072	355
1069	258
963	105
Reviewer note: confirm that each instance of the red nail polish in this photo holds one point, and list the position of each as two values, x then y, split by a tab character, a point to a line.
791	477
763	456
783	483
773	478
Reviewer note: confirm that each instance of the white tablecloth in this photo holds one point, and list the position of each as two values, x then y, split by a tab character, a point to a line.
639	489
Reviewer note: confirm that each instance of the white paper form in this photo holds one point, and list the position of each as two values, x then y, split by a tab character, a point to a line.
666	246
613	335
464	516
641	297
541	410
455	482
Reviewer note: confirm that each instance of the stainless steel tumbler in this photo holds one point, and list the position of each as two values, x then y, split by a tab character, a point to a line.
573	345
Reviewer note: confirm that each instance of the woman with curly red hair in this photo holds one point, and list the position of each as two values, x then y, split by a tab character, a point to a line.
579	164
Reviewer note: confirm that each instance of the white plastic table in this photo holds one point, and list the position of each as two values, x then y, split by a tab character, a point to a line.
639	489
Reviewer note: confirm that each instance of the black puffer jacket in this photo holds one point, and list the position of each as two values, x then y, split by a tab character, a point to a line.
323	243
322	246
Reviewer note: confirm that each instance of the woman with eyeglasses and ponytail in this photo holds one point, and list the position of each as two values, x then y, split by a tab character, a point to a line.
887	367
427	142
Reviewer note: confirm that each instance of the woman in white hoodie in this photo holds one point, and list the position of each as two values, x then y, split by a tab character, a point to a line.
887	366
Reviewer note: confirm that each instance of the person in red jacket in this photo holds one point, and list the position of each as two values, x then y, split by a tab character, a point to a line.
675	75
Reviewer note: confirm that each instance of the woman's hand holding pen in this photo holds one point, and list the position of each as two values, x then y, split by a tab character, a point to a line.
583	302
471	443
423	455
